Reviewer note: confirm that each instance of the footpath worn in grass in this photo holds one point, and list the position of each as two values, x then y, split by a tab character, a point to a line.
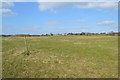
61	57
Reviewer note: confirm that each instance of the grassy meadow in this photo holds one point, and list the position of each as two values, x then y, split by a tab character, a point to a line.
70	56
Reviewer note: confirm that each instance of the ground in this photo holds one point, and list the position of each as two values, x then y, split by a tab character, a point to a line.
60	57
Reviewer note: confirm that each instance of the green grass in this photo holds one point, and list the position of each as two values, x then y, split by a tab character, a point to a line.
61	57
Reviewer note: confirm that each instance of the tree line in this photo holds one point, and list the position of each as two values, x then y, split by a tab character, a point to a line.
51	34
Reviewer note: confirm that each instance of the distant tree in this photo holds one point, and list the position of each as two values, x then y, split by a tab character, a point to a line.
82	33
47	34
51	34
111	33
42	35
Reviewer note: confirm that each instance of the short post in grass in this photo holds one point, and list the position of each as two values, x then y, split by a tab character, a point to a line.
26	46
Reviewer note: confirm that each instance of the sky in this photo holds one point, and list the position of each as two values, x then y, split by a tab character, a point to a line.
58	17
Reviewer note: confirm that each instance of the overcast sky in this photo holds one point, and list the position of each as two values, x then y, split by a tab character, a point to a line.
58	17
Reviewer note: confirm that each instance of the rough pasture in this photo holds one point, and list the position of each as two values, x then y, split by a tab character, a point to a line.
61	56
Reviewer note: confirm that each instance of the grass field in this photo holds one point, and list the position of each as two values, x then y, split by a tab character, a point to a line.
61	57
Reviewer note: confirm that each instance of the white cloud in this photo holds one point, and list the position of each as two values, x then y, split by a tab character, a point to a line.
52	23
110	5
7	12
5	9
55	6
7	4
11	14
107	23
60	0
79	21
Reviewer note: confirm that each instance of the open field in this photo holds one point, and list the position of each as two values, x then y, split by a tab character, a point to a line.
61	57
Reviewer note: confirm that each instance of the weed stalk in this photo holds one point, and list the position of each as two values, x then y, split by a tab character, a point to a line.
26	45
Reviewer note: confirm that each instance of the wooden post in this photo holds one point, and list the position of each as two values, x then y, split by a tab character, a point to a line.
26	45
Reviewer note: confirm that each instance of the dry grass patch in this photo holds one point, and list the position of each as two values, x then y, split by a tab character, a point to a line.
78	43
